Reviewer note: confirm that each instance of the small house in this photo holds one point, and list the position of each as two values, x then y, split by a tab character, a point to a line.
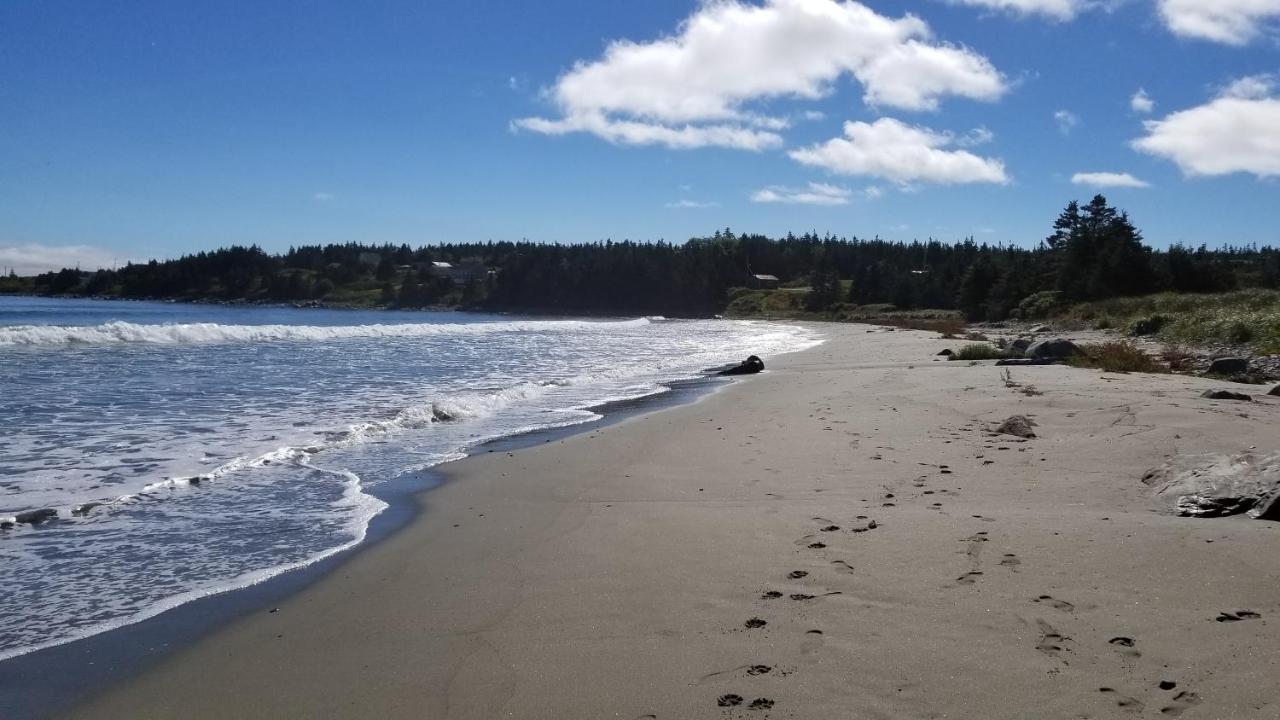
763	282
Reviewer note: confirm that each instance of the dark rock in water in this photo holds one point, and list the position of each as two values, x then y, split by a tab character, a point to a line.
35	517
1225	395
1019	346
1015	362
1018	426
947	353
5	524
750	366
1275	390
1056	348
1216	485
1228	366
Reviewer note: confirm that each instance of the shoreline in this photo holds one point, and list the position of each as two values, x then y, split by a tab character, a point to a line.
841	537
38	683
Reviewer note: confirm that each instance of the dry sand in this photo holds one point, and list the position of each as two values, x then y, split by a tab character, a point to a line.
612	575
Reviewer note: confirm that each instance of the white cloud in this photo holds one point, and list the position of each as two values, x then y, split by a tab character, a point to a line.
31	258
1233	22
873	192
1067	121
1141	102
1237	132
813	115
1108	180
1251	87
631	132
900	153
1054	9
813	194
692	89
691	205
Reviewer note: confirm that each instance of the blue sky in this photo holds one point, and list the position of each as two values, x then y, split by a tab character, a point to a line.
137	129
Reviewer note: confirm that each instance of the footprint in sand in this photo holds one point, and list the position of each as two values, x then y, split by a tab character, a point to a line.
797	574
843	565
816	546
830	528
801	596
754	622
970	577
1182	702
813	640
761	704
1055	603
1237	616
759	670
1126	703
771	595
1125	646
1010	561
730	700
1051	641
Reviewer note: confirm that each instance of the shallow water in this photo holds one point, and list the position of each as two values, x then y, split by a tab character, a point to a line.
191	449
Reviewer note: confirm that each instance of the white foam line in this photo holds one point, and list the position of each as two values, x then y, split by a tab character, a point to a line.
184	333
353	495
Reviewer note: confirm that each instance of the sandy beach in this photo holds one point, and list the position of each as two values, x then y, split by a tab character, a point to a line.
839	537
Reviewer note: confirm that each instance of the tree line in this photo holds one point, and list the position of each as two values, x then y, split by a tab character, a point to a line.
1093	251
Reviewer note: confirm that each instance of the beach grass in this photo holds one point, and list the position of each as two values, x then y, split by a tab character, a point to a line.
1243	317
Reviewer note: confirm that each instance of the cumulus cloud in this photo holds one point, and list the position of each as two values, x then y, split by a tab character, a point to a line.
1236	132
901	153
32	258
813	194
1067	121
1141	102
694	88
1053	9
1108	180
1233	22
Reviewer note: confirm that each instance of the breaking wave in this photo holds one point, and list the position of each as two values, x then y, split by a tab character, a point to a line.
189	333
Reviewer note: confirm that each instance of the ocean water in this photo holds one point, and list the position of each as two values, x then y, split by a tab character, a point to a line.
192	449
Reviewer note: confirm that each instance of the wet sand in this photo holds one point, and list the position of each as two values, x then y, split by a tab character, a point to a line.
840	537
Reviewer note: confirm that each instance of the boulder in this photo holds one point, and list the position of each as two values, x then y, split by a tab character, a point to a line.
1056	348
947	353
1017	425
1041	329
1216	485
35	517
750	366
1275	390
1228	366
1019	346
1225	395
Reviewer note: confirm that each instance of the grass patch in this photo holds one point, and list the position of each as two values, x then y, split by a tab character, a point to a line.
1244	317
1117	357
979	351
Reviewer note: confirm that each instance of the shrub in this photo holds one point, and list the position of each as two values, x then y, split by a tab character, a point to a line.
1118	357
1040	305
979	351
1150	325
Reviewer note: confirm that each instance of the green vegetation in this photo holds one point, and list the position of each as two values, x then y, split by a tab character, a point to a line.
1092	264
979	351
1244	317
1118	357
